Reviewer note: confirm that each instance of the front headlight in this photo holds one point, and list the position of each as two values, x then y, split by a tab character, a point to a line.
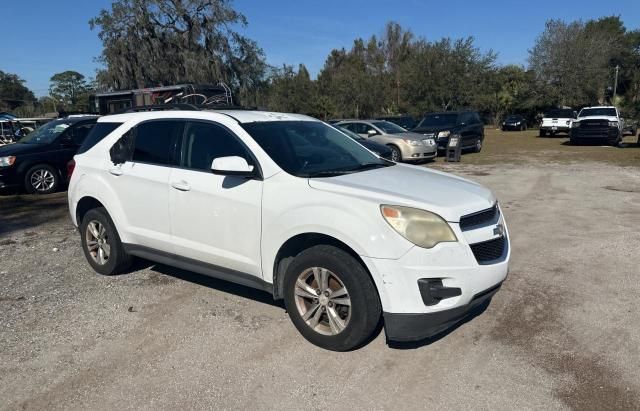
413	142
575	124
7	161
613	124
444	133
421	227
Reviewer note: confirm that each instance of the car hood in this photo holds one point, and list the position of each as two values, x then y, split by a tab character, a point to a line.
409	135
19	148
444	194
608	118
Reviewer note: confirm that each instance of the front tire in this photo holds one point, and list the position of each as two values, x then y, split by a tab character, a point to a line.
331	298
101	243
396	154
478	146
41	179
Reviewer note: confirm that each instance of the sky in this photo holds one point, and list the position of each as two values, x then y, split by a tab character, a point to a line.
41	37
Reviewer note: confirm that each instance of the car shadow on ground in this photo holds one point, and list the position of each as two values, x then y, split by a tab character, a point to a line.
623	144
412	345
242	291
25	212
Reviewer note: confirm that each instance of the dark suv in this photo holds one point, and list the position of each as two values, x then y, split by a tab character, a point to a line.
38	162
440	126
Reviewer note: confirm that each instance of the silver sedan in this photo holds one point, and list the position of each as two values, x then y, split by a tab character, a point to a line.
404	145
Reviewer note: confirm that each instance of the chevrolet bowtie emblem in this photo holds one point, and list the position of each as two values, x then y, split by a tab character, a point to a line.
499	230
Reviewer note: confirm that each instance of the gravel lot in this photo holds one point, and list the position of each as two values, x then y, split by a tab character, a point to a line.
563	333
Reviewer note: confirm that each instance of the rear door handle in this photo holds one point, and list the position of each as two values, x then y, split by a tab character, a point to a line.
115	171
181	185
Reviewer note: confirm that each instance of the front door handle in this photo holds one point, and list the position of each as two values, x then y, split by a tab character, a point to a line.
116	171
181	185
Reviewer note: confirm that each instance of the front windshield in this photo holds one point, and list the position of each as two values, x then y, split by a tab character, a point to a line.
389	127
46	134
312	148
439	120
513	118
605	111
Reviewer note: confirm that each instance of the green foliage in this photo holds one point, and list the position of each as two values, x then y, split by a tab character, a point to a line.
154	42
13	92
70	91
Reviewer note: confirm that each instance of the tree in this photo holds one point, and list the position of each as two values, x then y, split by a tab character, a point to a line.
13	92
154	42
69	90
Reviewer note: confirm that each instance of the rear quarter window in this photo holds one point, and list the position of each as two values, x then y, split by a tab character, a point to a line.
97	133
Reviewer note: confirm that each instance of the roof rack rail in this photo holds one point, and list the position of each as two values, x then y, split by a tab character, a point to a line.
161	107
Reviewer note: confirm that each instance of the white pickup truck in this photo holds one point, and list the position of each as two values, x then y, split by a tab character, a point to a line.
600	123
556	121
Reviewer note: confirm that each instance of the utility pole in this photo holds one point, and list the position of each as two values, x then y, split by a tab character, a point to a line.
615	85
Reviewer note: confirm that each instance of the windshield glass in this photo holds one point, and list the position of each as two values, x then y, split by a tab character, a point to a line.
513	118
312	148
605	111
438	120
46	134
564	113
388	127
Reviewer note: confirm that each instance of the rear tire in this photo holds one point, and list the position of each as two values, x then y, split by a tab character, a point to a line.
543	133
101	243
41	179
312	278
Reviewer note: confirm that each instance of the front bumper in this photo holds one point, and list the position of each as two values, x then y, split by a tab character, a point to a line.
595	133
422	152
414	327
407	314
8	177
511	127
555	128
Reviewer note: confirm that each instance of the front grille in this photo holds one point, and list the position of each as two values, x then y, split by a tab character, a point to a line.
480	219
491	251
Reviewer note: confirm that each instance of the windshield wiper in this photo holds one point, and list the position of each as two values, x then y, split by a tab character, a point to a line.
368	166
327	173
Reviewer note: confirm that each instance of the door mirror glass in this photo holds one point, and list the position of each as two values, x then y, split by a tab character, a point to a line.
371	132
232	166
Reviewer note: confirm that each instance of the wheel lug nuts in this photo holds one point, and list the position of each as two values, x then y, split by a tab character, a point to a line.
324	308
318	291
330	304
326	293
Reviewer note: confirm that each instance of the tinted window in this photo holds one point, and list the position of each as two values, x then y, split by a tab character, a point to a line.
205	142
439	120
563	113
79	133
97	133
155	142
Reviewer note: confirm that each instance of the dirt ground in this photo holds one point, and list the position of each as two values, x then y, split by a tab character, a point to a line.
563	332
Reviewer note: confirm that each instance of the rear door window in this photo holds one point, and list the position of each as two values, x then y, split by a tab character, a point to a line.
155	142
96	135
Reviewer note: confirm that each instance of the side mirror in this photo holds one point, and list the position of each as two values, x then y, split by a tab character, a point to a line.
372	132
232	166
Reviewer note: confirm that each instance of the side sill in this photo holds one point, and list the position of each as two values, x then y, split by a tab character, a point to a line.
198	267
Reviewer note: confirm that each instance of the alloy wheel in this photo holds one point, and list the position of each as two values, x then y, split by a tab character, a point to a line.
97	242
322	301
42	180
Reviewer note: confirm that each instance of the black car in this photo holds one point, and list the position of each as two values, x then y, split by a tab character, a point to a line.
380	149
514	122
440	126
406	122
38	161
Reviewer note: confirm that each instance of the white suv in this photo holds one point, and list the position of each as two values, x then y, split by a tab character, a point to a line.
288	204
